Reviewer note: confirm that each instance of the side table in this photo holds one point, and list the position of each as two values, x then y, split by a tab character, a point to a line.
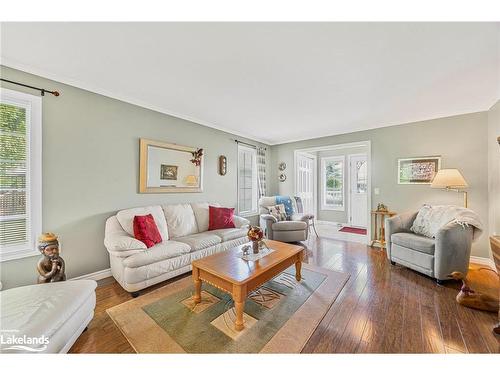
379	230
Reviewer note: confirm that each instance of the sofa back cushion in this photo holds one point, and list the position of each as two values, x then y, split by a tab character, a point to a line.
201	214
126	219
180	220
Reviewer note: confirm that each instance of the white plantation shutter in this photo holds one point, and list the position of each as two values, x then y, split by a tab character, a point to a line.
20	173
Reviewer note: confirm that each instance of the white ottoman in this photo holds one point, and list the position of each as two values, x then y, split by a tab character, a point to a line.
45	318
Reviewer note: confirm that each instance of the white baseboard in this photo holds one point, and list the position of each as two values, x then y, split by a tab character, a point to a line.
99	275
484	261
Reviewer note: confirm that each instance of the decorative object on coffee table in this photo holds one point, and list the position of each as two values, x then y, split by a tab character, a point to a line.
51	266
470	298
255	234
495	249
379	230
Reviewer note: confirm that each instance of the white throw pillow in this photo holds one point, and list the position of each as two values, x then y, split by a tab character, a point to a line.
180	220
126	219
278	211
201	213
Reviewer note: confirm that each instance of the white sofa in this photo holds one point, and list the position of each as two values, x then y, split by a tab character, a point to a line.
51	315
185	235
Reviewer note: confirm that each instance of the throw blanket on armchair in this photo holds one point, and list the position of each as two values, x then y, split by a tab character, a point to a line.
432	218
286	201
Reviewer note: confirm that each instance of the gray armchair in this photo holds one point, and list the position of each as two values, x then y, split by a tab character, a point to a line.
292	230
435	257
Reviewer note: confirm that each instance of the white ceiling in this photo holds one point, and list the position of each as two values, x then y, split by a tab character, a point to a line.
273	82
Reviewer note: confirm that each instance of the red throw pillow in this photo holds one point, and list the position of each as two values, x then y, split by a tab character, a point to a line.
145	230
220	218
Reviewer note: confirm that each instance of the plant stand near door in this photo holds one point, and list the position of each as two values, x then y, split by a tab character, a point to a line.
379	232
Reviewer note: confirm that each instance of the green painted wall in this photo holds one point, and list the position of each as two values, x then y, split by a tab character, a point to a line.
91	170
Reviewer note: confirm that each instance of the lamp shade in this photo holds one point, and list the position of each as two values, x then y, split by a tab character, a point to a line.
449	179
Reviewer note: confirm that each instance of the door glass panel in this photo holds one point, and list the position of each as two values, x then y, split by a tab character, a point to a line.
361	177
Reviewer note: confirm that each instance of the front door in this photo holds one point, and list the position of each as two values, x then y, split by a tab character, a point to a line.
305	181
358	177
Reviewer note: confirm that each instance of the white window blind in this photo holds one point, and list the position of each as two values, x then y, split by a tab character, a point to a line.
20	174
247	180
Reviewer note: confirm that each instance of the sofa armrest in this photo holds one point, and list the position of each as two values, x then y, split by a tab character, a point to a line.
118	242
300	217
453	248
240	222
396	224
122	243
268	217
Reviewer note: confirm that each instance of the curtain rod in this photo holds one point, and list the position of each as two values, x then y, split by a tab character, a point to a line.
248	144
42	91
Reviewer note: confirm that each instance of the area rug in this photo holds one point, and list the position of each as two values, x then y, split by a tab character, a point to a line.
353	230
280	316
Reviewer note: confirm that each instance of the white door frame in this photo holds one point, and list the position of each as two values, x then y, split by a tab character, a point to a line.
349	192
368	145
315	177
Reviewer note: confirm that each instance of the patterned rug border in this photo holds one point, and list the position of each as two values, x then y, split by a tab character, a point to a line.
145	336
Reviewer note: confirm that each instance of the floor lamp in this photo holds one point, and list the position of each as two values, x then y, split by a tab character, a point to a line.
450	180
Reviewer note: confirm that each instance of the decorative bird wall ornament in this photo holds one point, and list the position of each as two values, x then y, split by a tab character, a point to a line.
470	298
196	160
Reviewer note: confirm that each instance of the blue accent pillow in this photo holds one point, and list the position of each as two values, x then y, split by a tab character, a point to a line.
286	201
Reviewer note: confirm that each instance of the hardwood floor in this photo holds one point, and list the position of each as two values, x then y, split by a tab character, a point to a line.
382	309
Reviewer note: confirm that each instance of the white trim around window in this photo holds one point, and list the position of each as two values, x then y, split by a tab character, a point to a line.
324	204
247	186
33	212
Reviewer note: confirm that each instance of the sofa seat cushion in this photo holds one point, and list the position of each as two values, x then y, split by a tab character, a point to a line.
126	219
200	240
289	225
230	234
42	309
180	220
162	251
415	242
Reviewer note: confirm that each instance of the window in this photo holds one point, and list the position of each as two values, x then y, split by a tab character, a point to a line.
247	180
332	172
20	174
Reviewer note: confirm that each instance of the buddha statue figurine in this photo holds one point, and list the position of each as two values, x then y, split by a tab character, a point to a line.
51	265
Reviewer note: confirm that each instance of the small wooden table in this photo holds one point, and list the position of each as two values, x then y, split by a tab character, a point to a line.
229	273
379	233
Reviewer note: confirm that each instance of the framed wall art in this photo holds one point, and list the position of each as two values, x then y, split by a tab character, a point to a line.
418	170
170	168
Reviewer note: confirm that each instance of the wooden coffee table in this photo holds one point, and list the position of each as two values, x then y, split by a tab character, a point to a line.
229	273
